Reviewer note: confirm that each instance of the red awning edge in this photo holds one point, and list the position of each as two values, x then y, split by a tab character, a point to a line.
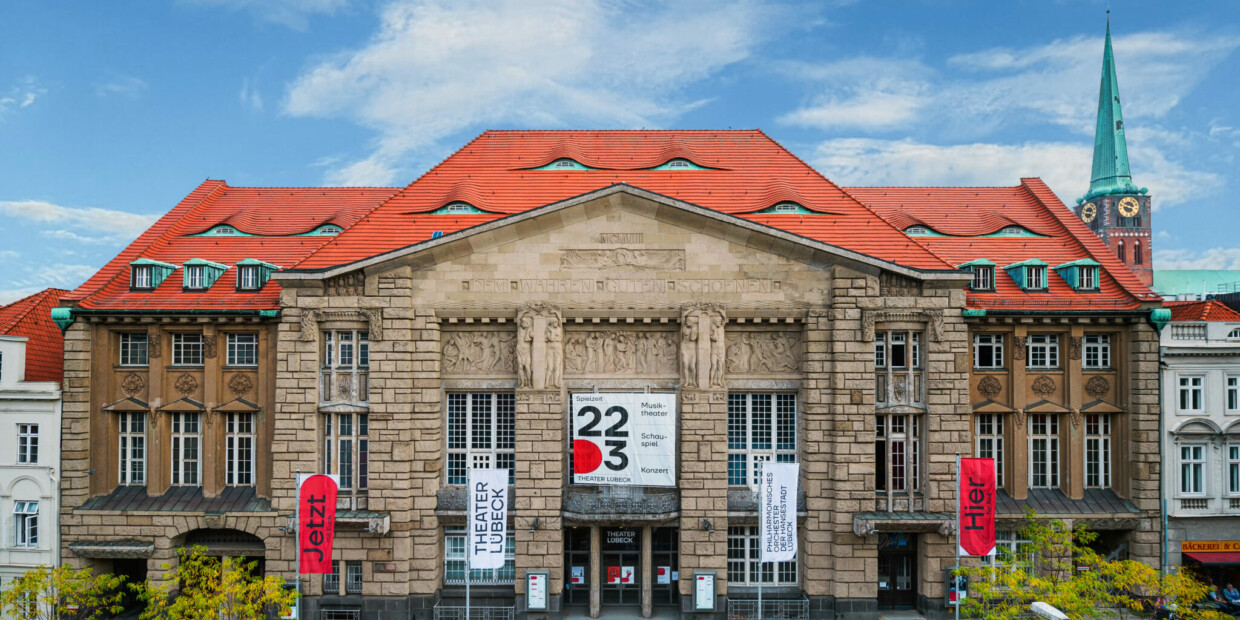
1215	557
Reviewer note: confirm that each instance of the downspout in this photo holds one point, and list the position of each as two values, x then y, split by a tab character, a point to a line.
1159	317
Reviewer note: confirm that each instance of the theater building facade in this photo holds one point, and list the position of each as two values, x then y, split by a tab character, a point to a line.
398	337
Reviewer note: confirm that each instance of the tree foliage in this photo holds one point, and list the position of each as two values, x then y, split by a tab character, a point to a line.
62	593
1057	566
203	586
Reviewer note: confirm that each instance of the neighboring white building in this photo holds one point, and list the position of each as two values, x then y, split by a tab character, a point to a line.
1201	436
29	465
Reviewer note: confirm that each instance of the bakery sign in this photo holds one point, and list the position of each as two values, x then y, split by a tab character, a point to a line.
1189	546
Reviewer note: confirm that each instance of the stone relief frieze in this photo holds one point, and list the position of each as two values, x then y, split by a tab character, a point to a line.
897	285
345	285
1044	386
132	384
620	352
703	350
186	384
240	385
989	388
1097	387
763	352
623	257
484	353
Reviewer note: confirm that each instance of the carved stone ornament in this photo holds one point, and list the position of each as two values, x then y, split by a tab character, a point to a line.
186	384
152	346
540	346
764	352
933	318
240	385
1044	386
703	350
481	353
1018	351
623	257
132	384
1074	348
208	346
620	352
1074	415
372	317
1018	417
351	284
309	325
1097	387
896	285
989	388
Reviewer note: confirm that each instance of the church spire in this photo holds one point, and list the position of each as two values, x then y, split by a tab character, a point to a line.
1110	173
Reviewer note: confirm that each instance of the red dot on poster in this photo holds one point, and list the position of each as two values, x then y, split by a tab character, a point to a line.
586	456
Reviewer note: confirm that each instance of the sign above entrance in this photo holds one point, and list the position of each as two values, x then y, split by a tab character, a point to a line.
624	438
1209	545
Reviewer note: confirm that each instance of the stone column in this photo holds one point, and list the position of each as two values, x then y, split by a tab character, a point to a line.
646	571
539	489
596	572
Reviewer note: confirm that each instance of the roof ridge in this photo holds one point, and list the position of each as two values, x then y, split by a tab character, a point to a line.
935	186
35	299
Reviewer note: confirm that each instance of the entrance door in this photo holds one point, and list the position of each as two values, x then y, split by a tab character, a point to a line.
666	561
897	571
577	566
622	562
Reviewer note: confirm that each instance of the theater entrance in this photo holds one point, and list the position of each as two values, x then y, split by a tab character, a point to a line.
897	570
622	563
609	566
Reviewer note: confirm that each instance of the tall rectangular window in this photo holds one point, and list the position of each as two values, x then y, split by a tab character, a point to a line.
346	449
989	433
987	351
247	278
346	362
1191	393
1192	469
454	540
761	428
26	524
1035	277
1098	451
141	278
331	581
353	577
186	444
195	277
983	278
894	348
1043	451
1089	279
897	452
744	568
132	439
482	433
1233	394
242	349
28	444
1233	469
134	349
1097	351
1042	351
239	449
187	349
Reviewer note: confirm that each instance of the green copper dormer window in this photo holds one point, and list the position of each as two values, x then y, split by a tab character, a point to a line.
1081	275
200	274
252	274
1030	275
679	163
326	230
983	274
146	274
787	207
1013	231
564	163
223	230
458	208
920	230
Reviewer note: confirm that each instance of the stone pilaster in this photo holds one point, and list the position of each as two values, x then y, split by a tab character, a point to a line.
703	486
539	489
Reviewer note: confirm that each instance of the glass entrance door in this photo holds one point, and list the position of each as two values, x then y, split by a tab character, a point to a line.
666	561
897	571
622	562
577	566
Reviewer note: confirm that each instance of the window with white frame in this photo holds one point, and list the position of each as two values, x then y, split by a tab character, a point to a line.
346	360
132	440
1190	393
897	452
1234	334
195	276
744	567
1042	351
761	428
1193	469
242	349
186	448
893	348
346	449
989	436
1011	547
239	449
983	278
134	349
1232	397
1088	278
352	577
28	444
1233	469
1097	351
26	524
247	278
482	433
1098	451
187	349
331	581
987	351
1043	451
455	541
141	277
1035	277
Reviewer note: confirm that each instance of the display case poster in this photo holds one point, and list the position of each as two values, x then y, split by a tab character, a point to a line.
664	575
579	574
536	590
626	574
704	592
613	574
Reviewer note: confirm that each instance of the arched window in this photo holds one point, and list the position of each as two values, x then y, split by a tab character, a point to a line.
1119	251
1136	253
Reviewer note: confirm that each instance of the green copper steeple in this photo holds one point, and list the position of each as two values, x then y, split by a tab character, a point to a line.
1110	174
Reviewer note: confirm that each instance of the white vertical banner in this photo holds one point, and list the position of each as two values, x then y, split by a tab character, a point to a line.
777	511
488	517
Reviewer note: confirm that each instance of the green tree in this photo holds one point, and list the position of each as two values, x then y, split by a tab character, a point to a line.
1058	566
203	586
61	593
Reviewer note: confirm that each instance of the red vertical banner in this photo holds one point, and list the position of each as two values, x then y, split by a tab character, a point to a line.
316	523
976	530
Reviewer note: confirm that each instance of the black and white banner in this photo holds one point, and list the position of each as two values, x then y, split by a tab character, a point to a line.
488	517
777	505
624	438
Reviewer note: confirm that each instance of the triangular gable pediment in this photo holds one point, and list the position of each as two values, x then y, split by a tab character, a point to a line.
991	406
238	405
1101	406
1045	406
183	405
127	405
706	221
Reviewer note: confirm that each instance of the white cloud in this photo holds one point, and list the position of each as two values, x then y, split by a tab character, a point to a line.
23	94
104	225
250	97
7	255
862	93
1213	258
10	295
436	67
36	278
292	13
126	86
1063	166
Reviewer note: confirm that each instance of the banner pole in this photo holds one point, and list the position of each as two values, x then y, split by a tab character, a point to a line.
761	538
956	573
297	536
469	544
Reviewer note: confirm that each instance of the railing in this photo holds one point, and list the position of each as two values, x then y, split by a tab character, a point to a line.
344	385
774	609
1195	504
1188	332
454	574
609	501
899	387
353	585
443	612
340	614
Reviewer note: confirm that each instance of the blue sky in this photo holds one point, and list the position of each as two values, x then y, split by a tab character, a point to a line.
112	112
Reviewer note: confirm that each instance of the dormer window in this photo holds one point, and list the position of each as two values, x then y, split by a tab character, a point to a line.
983	274
678	163
253	274
565	163
329	230
1081	275
1234	334
1035	277
1030	275
247	278
1088	279
917	230
225	230
146	274
201	274
1012	231
463	207
786	207
195	277
142	277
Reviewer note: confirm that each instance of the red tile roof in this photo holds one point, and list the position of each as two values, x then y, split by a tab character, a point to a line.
962	214
280	215
32	318
1209	310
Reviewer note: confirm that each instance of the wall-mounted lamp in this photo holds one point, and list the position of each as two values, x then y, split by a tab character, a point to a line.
706	526
534	524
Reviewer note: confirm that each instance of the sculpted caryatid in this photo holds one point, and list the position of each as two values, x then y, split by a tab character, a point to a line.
555	368
718	351
525	351
688	351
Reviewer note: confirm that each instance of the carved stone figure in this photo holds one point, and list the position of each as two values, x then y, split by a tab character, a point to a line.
208	346
525	351
619	351
763	352
703	353
688	351
1018	352
540	346
555	352
309	325
345	285
717	351
1074	348
623	257
152	350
